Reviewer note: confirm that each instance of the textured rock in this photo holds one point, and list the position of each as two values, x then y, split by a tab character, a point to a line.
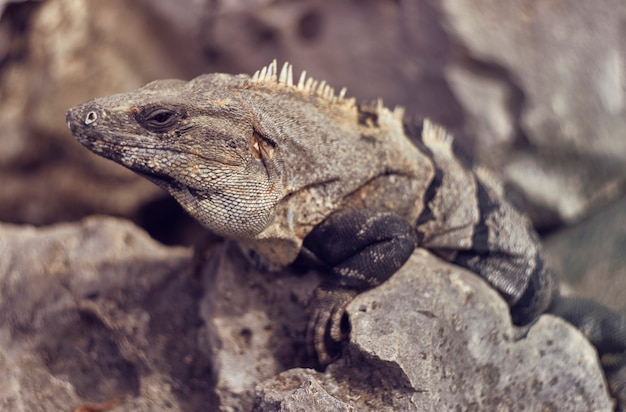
94	312
256	323
98	313
435	337
300	390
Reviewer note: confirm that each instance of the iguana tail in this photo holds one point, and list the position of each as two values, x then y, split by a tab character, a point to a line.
605	329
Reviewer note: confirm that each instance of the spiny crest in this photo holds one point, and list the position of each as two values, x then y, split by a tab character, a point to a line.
434	134
437	139
377	106
270	75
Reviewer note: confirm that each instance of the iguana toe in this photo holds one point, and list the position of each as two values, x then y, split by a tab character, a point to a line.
327	326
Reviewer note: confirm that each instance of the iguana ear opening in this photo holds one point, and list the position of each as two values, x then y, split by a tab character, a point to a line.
261	147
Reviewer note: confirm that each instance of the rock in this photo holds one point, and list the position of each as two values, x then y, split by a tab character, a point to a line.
300	390
96	313
62	53
435	337
256	322
562	68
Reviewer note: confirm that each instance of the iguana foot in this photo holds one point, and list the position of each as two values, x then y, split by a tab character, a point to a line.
356	250
328	324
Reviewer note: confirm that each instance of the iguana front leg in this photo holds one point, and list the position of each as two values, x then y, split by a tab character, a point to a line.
356	250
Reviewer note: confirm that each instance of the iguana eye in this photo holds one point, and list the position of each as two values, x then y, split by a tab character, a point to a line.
158	119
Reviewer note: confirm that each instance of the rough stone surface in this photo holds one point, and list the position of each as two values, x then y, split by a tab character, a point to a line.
438	338
301	390
256	323
97	313
450	336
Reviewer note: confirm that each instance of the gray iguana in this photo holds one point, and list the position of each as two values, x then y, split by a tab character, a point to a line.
297	173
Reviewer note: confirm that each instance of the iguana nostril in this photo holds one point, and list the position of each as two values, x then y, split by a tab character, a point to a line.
91	117
70	119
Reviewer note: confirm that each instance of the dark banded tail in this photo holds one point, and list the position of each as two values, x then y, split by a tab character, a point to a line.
605	329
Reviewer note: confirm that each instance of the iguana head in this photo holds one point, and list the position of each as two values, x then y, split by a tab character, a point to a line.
220	144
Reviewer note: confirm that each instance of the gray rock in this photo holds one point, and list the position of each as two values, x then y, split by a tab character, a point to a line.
255	321
562	70
98	313
301	390
435	337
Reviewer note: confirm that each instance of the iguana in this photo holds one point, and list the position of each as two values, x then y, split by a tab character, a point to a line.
297	173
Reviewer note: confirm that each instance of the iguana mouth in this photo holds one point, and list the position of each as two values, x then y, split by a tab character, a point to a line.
162	180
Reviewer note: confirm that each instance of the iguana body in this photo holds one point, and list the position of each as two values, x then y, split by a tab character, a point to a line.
293	171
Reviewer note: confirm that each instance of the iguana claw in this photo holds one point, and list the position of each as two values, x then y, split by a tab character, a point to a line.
327	326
